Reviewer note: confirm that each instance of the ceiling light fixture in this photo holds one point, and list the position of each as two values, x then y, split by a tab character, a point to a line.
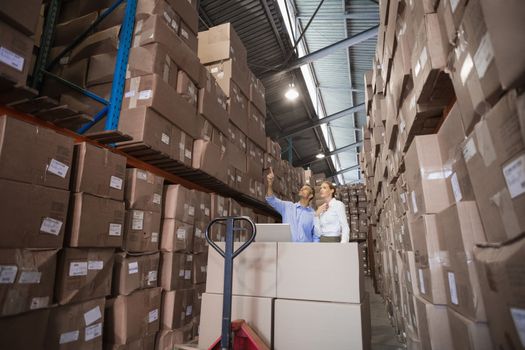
320	156
292	93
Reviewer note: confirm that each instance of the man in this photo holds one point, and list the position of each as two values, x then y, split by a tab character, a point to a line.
299	215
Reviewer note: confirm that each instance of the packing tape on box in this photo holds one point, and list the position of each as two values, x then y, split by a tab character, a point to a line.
182	146
132	94
166	69
138	30
509	218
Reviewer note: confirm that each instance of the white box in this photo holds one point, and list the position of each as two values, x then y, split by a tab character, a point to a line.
318	325
257	312
254	270
322	272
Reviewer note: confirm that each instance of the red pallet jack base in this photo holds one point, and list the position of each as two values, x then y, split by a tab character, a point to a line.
244	338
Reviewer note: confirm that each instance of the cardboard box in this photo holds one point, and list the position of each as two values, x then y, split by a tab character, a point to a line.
152	58
425	177
200	244
256	311
186	88
177	308
167	339
133	317
33	217
179	204
228	74
495	154
199	290
13	329
210	158
314	326
213	103
254	271
221	43
134	272
188	36
428	247
237	137
141	231
152	91
460	226
242	182
163	8
183	150
176	271
144	343
219	206
203	206
24	20
47	162
256	126
81	8
104	41
199	268
143	190
257	94
76	326
83	274
16	55
106	231
433	325
501	289
238	109
467	334
99	172
154	29
28	279
176	236
299	277
101	69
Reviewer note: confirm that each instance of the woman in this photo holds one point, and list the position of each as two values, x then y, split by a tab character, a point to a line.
330	222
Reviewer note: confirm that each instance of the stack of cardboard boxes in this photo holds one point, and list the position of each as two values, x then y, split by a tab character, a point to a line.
442	177
283	292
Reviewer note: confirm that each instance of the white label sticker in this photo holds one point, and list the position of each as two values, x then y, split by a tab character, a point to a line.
153	315
11	59
191	211
187	274
454	5
93	332
137	224
165	139
203	269
138	214
182	315
187	154
469	150
145	94
8	273
129	94
92	315
484	56
414	202
78	268
51	226
115	182
133	267
455	187
58	168
466	69
157	198
421	282
39	302
518	315
181	273
189	258
142	175
207	211
95	265
514	173
154	237
30	277
189	310
152	276
181	233
115	229
198	233
69	337
453	288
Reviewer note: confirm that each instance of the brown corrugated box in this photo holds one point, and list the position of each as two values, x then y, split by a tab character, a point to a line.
104	41
495	156
219	206
106	231
200	263
99	172
143	190
238	109
144	343
221	43
153	58
155	30
101	69
167	339
187	35
228	73
141	231
186	88
433	325
23	18
16	55
200	245
209	158
80	8
163	8
177	308
175	271
67	31
467	334
242	182
182	149
83	274
203	206
256	126
236	157
213	103
133	317
33	217
48	159
76	326
152	91
237	137
176	236
27	279
179	203
257	94
13	330
199	290
500	270
134	272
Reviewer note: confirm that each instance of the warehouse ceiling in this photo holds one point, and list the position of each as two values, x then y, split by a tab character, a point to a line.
328	83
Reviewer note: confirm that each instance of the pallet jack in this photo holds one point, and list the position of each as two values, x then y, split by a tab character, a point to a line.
244	338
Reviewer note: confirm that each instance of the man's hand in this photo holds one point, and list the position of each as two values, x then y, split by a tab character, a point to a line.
270	176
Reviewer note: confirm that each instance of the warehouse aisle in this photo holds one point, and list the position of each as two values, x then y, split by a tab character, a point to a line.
383	335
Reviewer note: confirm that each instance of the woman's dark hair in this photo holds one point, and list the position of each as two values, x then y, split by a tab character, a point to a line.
331	185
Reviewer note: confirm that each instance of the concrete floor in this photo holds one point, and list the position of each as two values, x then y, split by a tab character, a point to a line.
383	335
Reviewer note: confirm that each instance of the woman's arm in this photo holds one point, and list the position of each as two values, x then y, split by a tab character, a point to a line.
341	216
